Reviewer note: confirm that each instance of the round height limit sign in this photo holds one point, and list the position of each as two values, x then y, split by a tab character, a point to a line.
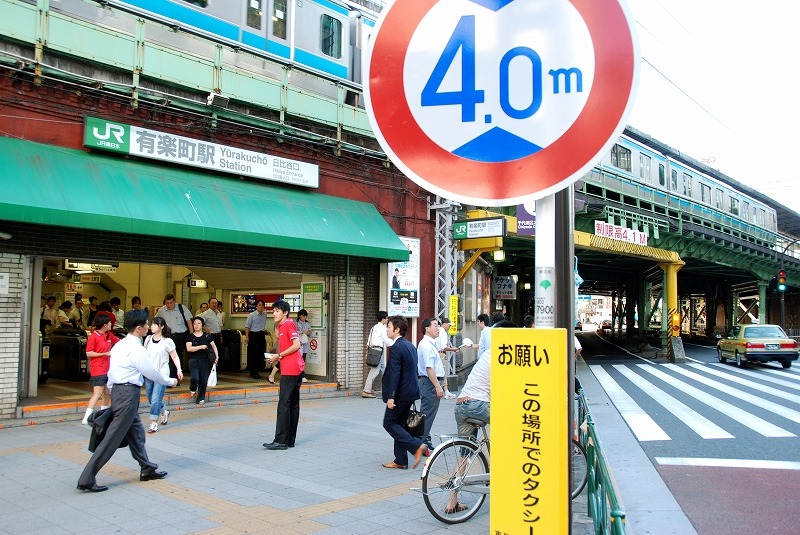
494	102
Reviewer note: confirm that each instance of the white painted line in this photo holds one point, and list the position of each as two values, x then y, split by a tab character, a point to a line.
755	372
743	417
728	463
791	373
767	405
749	384
696	421
644	427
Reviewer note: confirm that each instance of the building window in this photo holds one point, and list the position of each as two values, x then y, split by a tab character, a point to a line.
279	18
621	157
644	167
705	193
330	36
254	14
718	198
662	175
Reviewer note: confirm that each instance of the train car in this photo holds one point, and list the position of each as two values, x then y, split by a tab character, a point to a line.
327	36
664	181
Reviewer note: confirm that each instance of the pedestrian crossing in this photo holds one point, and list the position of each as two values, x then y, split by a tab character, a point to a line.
711	400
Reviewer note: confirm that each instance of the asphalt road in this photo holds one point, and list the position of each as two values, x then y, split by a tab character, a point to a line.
725	441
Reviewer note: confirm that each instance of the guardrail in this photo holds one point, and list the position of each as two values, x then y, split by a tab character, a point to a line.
604	505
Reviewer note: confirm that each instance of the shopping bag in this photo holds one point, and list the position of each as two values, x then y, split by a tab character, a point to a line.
212	377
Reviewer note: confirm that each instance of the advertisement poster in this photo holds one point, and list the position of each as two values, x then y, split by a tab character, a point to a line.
404	282
244	304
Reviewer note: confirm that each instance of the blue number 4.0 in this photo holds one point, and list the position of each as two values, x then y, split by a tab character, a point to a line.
463	38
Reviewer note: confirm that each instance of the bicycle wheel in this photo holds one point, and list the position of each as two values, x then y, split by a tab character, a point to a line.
443	483
578	466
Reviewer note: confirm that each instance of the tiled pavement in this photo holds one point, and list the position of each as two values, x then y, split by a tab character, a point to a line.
222	481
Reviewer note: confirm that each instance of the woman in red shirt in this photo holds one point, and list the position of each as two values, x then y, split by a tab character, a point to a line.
98	349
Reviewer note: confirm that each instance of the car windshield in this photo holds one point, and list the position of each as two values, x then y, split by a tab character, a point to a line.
763	332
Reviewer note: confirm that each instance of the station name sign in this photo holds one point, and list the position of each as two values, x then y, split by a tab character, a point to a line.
146	143
490	227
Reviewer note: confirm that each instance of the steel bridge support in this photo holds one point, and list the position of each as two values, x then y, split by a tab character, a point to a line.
671	291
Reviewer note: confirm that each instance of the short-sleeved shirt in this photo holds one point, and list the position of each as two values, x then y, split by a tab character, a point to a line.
100	343
212	320
256	322
175	320
291	364
158	351
120	319
428	357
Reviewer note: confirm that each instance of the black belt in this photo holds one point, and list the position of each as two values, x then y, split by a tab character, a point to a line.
127	384
257	332
426	377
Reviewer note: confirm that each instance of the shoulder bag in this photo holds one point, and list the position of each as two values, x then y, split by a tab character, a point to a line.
415	422
374	354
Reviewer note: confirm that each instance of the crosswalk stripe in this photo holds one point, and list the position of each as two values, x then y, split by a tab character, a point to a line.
780	410
793	373
694	420
753	372
642	425
749	384
743	417
728	463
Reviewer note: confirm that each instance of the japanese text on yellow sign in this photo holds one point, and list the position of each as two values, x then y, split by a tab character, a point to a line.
529	474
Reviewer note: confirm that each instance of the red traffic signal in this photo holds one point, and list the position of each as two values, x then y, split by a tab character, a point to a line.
782	280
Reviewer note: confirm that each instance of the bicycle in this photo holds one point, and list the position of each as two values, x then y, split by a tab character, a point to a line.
455	479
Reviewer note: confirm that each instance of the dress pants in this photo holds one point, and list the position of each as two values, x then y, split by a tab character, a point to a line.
288	409
125	425
180	349
429	402
394	421
256	347
199	369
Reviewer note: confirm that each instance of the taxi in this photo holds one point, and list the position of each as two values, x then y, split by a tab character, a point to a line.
758	343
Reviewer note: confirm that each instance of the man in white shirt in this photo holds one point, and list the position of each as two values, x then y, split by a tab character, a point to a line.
179	321
129	363
119	314
377	338
49	316
78	317
430	375
444	347
213	321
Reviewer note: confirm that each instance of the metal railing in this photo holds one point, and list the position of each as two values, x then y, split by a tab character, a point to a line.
604	505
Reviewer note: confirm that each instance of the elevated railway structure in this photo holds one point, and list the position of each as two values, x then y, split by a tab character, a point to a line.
721	267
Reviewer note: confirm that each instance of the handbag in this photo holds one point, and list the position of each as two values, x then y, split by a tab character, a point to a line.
304	338
415	422
374	355
212	377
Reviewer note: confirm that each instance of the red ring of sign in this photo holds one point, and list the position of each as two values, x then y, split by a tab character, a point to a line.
605	106
313	344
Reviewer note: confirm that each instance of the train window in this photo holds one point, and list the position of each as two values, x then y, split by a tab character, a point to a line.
279	18
673	183
705	193
644	167
201	3
662	175
687	184
330	36
734	206
254	14
621	157
746	210
718	198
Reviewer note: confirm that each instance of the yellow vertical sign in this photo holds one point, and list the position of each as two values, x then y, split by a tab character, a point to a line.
452	313
529	465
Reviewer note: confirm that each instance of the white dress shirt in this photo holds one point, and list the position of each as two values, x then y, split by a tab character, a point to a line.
129	361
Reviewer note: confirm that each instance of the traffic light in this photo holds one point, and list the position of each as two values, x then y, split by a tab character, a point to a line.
675	321
782	280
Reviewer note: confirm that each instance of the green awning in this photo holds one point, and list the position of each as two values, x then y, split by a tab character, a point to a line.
71	188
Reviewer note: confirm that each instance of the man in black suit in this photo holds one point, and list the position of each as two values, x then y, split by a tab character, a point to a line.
400	391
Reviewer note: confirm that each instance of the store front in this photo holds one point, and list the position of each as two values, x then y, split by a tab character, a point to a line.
155	229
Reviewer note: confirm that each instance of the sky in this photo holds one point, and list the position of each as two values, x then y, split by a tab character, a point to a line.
720	81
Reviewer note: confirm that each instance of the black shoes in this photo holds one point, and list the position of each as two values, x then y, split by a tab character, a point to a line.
275	446
92	488
147	476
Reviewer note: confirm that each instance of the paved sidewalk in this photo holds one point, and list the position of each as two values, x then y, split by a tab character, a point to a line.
222	481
